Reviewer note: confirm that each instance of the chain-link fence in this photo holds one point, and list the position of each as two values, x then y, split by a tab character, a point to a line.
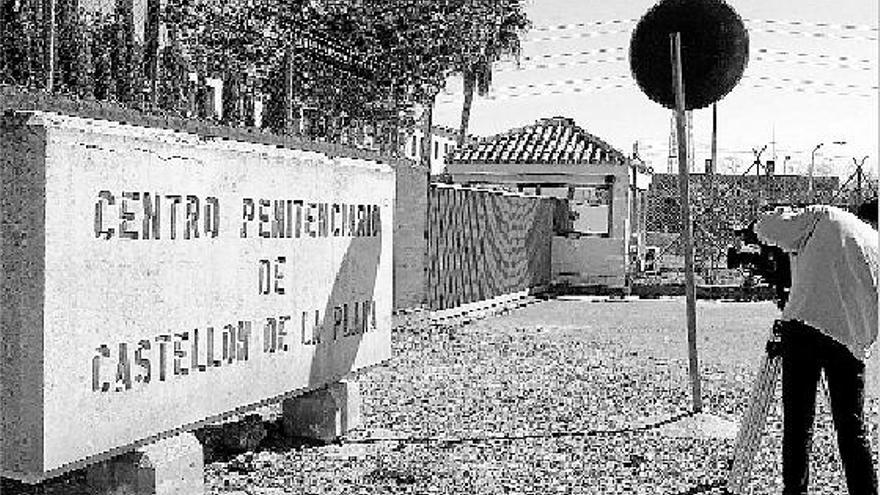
719	204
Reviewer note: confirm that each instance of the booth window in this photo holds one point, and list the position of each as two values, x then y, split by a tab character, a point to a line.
591	210
589	207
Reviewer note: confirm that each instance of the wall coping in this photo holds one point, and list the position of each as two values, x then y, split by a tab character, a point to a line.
13	98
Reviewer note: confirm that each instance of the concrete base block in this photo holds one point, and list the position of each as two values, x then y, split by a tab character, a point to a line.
702	426
324	414
173	466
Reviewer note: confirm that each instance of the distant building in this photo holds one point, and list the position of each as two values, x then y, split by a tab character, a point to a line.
601	240
444	141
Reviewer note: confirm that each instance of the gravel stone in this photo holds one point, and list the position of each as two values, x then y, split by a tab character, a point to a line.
556	397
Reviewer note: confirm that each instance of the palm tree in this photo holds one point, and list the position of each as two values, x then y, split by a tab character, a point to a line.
488	42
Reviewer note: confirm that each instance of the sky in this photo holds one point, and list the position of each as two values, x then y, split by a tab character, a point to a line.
790	41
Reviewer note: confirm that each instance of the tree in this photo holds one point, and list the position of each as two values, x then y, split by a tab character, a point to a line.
491	30
102	38
125	54
419	42
72	49
23	26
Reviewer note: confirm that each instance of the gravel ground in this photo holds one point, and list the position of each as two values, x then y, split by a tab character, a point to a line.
558	397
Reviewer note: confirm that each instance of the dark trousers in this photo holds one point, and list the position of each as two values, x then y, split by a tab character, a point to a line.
806	352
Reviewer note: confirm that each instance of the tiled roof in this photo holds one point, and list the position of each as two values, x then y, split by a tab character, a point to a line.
555	140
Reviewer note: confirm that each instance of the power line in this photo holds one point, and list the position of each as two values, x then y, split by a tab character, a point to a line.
570	86
579	25
573	36
552	92
775	22
596	51
763	80
565	82
824	25
814	64
810	82
817	55
772	30
817	34
556	65
609	50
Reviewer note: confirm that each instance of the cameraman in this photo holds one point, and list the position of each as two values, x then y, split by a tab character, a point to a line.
831	323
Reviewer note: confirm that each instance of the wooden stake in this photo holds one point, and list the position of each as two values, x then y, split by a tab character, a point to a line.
686	226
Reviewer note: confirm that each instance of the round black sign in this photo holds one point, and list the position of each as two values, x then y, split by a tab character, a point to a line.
714	51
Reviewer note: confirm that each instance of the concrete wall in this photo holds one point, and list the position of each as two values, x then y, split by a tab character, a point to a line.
410	237
154	280
22	246
588	261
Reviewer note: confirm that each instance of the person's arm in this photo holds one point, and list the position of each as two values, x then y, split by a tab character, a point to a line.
788	230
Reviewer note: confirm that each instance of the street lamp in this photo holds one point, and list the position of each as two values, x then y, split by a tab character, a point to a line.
810	193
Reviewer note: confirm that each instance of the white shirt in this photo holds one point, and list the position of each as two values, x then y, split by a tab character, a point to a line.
833	272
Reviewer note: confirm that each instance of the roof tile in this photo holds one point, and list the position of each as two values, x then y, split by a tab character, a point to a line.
548	141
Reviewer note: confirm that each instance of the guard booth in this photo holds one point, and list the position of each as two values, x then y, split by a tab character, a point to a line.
600	238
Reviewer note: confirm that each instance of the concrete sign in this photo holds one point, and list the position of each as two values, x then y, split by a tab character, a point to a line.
152	280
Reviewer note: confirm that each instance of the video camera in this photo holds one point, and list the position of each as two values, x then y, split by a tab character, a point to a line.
771	263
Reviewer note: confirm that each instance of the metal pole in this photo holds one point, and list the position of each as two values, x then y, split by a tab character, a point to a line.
858	183
714	139
686	226
710	175
810	194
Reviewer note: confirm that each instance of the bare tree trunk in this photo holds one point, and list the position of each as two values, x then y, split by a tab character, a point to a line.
49	43
151	45
470	78
125	74
231	98
426	133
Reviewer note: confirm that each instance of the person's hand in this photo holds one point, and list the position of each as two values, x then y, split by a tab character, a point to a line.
749	236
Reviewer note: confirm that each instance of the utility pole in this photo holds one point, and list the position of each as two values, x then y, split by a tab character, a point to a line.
714	140
756	195
757	162
810	192
773	142
859	178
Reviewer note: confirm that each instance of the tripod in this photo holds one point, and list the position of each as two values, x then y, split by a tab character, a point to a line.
748	439
752	426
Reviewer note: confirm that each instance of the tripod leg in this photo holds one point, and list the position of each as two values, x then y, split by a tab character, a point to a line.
752	425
